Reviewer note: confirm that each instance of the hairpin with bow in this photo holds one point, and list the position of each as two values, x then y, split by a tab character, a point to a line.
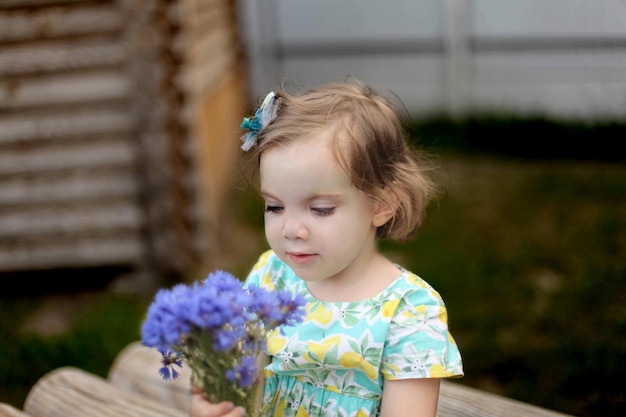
265	114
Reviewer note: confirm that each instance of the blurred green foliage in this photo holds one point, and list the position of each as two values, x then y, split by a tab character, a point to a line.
527	248
98	333
523	137
531	260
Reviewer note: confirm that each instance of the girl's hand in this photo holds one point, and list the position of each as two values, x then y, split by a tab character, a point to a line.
201	407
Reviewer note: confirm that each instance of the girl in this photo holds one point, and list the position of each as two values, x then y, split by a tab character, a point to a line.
336	175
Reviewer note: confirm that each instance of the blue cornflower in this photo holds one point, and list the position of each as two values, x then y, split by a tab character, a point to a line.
227	339
292	307
275	308
244	373
169	359
165	325
211	325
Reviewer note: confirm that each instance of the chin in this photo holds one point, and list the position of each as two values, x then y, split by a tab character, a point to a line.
303	273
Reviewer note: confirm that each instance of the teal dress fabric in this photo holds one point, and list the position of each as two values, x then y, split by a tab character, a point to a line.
335	363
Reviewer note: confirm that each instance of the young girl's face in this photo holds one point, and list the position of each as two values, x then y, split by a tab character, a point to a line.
316	221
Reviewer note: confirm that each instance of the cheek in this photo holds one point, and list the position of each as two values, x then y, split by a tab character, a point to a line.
272	226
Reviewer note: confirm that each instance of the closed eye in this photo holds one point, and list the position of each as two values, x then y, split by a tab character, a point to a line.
325	211
273	209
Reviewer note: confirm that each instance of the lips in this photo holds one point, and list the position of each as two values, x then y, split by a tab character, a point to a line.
301	258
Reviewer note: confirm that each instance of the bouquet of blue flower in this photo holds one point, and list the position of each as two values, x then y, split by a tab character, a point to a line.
218	327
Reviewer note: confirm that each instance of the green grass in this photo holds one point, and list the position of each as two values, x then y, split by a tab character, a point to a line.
529	255
97	334
531	260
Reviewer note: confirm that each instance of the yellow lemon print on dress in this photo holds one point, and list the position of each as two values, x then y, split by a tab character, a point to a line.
389	308
438	371
302	412
279	410
417	311
266	282
350	360
369	369
262	259
414	279
320	349
333	388
362	413
354	360
276	344
393	368
320	314
443	315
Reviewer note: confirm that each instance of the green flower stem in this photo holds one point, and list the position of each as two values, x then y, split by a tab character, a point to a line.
208	368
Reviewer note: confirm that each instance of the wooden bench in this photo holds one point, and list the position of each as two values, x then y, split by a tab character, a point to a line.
133	388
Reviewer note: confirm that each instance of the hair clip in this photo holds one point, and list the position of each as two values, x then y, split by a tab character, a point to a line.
264	115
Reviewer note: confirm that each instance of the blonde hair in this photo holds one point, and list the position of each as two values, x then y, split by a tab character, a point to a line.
373	150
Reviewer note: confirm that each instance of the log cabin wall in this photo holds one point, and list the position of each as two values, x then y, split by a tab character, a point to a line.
103	146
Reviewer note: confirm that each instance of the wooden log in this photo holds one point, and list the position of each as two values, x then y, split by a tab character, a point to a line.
70	220
63	124
456	400
73	252
72	392
48	56
48	22
114	152
81	192
66	89
30	3
7	410
135	370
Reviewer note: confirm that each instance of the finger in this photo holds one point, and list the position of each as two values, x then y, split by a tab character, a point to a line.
237	412
201	407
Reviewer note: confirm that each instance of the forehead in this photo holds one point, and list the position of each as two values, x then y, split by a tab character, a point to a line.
305	161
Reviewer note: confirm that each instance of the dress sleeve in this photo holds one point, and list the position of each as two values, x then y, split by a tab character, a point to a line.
418	343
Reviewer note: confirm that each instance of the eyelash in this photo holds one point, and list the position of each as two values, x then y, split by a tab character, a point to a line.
325	211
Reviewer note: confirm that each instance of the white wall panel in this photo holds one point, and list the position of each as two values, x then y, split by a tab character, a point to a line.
536	18
562	58
356	20
417	80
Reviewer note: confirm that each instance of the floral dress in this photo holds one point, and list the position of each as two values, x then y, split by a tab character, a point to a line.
335	363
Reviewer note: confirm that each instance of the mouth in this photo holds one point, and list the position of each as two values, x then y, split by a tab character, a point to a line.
301	258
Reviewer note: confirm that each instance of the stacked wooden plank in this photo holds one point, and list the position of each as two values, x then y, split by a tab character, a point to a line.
68	161
117	131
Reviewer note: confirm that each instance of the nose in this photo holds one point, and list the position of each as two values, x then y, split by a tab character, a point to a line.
294	227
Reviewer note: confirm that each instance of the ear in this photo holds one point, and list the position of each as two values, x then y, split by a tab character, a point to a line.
385	208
